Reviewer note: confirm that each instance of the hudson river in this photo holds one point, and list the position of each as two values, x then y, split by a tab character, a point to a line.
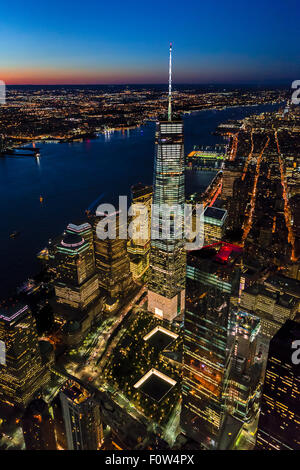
70	176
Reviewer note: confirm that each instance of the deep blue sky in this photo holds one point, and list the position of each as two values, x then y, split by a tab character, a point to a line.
93	41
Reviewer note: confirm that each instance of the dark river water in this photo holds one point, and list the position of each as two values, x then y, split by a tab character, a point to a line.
70	176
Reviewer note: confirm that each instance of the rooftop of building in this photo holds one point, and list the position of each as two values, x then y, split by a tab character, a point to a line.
279	282
280	297
36	408
79	228
245	320
72	313
256	289
75	392
217	254
176	119
235	165
141	189
72	241
215	213
10	310
289	332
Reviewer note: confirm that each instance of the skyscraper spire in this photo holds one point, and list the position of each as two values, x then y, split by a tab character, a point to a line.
170	85
166	288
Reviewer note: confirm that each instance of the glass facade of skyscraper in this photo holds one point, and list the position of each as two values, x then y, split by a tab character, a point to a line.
76	284
212	277
81	416
139	248
167	258
21	370
279	421
112	260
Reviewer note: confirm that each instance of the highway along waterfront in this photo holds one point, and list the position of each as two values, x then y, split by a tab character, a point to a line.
41	195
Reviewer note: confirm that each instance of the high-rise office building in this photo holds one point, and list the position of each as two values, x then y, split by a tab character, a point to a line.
112	260
230	172
76	284
59	424
243	332
279	421
81	416
139	248
237	206
85	230
246	371
214	224
213	276
271	304
38	426
166	294
295	211
22	372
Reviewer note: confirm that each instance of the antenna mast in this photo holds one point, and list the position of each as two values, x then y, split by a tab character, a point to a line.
170	86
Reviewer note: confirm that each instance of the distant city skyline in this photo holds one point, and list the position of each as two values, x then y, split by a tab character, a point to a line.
103	43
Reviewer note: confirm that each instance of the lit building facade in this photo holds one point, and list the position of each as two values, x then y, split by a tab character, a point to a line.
213	276
166	294
214	224
85	230
139	249
81	416
246	373
272	305
22	372
76	284
237	204
230	172
112	260
279	421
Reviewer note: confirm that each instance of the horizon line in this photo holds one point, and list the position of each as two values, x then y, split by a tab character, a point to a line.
262	82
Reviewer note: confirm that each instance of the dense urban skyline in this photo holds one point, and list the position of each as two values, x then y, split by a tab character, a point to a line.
150	264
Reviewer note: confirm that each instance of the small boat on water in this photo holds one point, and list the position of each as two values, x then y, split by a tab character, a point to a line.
14	234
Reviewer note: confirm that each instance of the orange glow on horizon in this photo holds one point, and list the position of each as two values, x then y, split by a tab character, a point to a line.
76	76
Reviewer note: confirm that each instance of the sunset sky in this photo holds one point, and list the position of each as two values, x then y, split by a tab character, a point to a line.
127	41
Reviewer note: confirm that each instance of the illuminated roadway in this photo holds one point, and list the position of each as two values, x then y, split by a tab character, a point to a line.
235	140
92	369
287	210
248	223
249	157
